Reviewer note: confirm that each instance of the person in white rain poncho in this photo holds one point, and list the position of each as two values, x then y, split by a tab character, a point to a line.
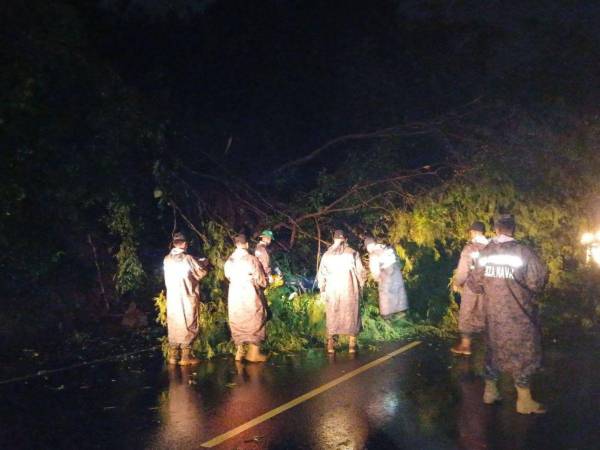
183	273
470	316
386	271
341	277
246	309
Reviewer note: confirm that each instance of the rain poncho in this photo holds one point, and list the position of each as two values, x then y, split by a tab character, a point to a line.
510	274
470	316
182	276
247	312
262	253
385	269
341	277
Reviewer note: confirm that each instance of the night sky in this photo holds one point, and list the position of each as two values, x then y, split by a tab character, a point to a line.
287	76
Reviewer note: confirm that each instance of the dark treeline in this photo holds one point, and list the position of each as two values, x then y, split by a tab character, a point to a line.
121	121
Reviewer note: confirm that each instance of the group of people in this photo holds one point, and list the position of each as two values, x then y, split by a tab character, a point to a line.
341	277
248	275
497	279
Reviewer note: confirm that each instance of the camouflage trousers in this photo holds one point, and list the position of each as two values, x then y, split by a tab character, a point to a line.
493	374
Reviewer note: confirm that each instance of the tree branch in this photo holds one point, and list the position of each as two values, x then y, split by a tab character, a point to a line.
419	129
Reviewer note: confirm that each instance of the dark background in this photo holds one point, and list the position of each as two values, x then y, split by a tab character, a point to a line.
123	120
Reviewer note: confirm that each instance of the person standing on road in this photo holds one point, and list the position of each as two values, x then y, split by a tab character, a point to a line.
384	265
341	277
510	275
246	310
470	316
182	273
263	254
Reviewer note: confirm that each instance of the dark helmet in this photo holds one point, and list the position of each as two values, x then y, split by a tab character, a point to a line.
339	234
477	226
240	239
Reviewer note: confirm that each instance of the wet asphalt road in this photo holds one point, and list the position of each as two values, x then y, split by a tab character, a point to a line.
421	399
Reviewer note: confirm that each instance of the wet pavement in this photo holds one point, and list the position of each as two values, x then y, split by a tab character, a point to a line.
421	399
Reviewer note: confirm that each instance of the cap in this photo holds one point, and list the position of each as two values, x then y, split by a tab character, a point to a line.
477	226
267	233
240	239
505	220
369	240
339	234
179	237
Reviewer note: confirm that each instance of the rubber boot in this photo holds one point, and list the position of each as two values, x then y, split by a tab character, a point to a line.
491	394
254	354
352	344
239	354
173	357
463	348
187	358
527	405
330	345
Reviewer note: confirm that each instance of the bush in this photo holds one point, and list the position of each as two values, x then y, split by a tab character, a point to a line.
298	323
575	305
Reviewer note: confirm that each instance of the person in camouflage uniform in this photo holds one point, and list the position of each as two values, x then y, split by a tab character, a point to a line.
470	316
263	254
509	274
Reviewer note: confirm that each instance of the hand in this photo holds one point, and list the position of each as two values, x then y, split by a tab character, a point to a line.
204	263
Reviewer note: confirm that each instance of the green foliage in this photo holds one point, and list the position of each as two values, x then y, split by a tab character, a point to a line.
298	323
547	189
217	249
575	304
376	329
160	306
214	332
130	274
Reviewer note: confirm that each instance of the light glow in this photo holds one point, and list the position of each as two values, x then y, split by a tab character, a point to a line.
592	244
502	260
595	253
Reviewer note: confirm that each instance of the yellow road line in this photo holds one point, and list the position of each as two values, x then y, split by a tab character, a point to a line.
274	412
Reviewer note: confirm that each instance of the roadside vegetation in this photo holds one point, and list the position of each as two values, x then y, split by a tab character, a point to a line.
96	173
